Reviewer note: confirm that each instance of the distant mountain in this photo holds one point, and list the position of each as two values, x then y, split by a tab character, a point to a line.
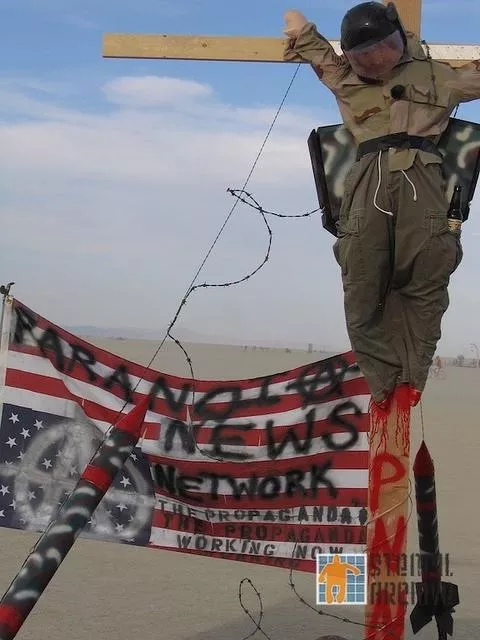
188	335
136	333
90	331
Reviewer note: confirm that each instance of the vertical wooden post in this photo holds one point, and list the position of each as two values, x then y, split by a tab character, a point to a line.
410	13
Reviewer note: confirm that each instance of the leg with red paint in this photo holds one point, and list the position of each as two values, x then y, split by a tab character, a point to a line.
388	511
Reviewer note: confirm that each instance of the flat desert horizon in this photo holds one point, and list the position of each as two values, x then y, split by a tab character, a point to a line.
105	590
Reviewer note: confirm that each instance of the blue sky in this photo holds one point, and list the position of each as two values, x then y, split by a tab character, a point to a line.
113	173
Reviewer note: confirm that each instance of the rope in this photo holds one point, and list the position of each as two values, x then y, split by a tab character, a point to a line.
422	420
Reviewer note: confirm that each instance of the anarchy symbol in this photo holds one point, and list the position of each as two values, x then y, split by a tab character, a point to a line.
75	442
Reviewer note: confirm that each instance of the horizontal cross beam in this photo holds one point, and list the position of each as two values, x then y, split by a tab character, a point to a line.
239	49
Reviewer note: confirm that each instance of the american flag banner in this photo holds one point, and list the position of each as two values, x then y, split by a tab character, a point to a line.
270	470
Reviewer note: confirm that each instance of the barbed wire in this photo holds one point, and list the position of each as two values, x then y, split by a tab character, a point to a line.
241	195
248	199
385	628
257	624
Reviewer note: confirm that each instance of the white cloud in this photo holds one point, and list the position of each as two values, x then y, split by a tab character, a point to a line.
183	140
106	214
93	202
154	91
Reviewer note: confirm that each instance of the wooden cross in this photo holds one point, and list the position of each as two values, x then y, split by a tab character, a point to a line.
389	438
247	49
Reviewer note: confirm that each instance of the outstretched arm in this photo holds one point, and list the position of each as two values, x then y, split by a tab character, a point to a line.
305	42
466	84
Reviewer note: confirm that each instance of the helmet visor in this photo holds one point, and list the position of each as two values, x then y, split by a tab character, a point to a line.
375	60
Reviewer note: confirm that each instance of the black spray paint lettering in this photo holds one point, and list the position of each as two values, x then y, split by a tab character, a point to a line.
331	372
50	345
230	434
276	451
204	543
174	404
335	418
205	408
85	358
325	375
269	487
323	372
312	515
233	440
187	436
121	378
239	546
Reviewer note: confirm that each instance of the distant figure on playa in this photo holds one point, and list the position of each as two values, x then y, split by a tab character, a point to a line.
437	366
335	574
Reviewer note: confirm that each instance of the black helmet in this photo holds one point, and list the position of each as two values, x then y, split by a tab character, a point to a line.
368	23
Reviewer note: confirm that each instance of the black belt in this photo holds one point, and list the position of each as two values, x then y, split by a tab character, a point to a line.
397	141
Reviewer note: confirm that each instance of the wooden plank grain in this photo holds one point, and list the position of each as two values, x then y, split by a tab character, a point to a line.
238	48
410	12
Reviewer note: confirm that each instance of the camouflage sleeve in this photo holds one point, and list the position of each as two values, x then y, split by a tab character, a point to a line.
466	83
314	48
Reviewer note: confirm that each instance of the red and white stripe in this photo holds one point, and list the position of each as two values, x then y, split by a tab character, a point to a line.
32	380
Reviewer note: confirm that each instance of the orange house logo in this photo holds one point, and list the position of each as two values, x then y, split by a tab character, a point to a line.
342	579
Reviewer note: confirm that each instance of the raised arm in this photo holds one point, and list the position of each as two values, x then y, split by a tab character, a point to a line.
466	83
305	42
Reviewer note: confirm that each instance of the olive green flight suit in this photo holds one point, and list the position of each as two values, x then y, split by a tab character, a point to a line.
394	247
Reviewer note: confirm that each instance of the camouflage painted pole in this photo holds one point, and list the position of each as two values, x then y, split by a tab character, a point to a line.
55	543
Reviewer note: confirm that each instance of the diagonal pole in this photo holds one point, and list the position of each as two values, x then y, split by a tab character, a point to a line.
58	539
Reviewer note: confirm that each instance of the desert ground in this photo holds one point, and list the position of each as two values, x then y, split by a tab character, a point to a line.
105	590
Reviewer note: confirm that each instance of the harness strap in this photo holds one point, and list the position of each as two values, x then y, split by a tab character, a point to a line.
397	141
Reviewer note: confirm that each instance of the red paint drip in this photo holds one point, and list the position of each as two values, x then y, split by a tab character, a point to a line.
98	477
378	426
11	617
402	395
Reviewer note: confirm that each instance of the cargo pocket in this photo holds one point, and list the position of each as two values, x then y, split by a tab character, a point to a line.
442	252
348	248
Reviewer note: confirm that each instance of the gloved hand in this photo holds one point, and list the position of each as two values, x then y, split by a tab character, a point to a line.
294	23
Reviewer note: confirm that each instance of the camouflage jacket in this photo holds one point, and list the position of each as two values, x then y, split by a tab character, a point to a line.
432	91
